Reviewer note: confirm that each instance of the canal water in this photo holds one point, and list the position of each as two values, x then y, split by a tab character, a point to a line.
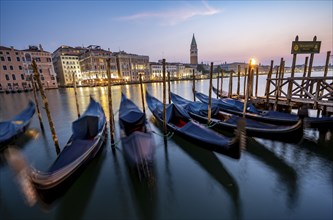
272	180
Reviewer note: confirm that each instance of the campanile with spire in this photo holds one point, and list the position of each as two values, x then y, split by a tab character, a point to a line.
194	52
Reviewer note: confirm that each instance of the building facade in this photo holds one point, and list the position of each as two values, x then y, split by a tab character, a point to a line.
130	66
12	75
193	52
44	65
93	63
66	65
176	71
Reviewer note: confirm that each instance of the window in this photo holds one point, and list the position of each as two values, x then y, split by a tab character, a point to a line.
18	59
52	78
22	76
42	77
20	67
7	77
37	59
23	59
40	70
28	57
4	67
14	77
9	59
2	59
11	67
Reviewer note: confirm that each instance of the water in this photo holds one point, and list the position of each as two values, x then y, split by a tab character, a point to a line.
272	180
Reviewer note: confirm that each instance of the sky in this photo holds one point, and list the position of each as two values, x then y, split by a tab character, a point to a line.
225	31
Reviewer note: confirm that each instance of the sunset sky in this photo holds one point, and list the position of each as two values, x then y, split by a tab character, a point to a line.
225	31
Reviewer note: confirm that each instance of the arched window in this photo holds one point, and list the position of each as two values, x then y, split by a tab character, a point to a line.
28	57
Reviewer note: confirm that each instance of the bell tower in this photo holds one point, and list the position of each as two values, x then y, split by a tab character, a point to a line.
194	51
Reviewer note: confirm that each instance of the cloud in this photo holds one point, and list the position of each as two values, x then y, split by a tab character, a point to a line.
174	16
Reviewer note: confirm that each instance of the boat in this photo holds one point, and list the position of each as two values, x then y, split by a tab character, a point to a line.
223	94
11	129
179	122
228	122
323	124
136	137
235	106
89	134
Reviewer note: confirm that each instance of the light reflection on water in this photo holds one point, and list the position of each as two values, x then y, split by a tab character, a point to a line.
271	180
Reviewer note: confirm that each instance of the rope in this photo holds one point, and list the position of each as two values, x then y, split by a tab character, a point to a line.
211	124
167	135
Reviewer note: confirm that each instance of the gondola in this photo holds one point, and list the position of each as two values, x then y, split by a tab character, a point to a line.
323	123
228	122
223	94
179	122
235	106
14	127
89	133
136	137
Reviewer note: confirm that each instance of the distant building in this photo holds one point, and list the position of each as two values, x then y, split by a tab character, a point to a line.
234	67
176	70
93	63
16	70
194	52
44	65
12	74
131	65
66	64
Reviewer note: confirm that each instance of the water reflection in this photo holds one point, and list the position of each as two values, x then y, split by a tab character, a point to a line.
212	165
287	175
70	207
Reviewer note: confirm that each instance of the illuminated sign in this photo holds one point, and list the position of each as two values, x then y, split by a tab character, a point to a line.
301	47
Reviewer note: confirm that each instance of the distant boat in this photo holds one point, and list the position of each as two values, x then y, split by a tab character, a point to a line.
14	127
179	122
228	122
86	141
137	137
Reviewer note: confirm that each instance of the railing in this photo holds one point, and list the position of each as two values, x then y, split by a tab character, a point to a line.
313	90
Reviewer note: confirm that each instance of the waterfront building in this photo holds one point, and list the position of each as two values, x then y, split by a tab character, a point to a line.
44	65
12	74
66	65
234	67
93	63
193	52
176	70
156	70
130	66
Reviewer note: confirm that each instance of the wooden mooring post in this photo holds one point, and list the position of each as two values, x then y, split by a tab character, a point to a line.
222	76
164	98
111	120
268	83
304	74
245	87
75	94
210	93
36	102
238	80
142	96
230	85
310	68
46	105
169	95
290	85
217	83
257	78
193	86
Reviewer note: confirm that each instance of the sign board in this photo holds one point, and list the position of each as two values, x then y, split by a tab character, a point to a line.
301	47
